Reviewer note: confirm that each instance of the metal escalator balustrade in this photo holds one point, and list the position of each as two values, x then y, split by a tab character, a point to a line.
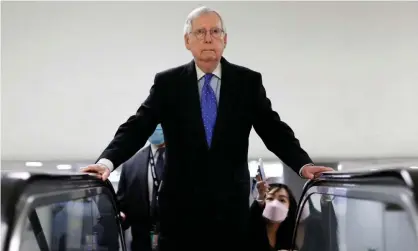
361	210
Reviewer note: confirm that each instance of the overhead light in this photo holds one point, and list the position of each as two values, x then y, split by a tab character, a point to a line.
34	164
20	175
273	169
253	165
64	167
339	167
414	167
373	169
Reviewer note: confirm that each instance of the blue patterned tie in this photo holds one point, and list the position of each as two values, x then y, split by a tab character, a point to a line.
209	108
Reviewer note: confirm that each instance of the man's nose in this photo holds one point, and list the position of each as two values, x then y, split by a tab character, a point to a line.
208	37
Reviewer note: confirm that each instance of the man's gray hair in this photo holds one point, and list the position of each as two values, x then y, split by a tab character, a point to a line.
197	13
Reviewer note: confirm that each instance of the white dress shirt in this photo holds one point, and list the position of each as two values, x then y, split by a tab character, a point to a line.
215	81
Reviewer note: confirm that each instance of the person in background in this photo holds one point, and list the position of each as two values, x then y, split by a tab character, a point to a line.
318	229
137	192
272	217
207	108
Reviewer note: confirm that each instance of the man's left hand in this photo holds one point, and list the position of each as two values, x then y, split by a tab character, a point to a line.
311	172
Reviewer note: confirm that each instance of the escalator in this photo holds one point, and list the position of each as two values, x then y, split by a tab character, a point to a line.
361	211
56	212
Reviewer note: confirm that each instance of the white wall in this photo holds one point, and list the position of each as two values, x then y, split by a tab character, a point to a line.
343	74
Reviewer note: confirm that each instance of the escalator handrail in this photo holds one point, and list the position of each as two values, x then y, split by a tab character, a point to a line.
396	176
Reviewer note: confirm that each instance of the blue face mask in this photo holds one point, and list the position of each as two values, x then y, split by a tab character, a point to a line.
157	138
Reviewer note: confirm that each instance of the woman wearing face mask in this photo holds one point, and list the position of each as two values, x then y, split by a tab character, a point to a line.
272	218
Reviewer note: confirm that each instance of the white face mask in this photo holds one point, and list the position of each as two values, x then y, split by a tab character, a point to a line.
275	211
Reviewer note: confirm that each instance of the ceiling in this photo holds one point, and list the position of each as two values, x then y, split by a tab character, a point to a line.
73	71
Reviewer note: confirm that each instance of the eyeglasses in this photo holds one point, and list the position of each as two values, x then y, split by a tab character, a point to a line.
214	32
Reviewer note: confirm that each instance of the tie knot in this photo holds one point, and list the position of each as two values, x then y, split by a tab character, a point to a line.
208	77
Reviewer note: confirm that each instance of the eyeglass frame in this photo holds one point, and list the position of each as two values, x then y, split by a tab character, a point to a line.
211	31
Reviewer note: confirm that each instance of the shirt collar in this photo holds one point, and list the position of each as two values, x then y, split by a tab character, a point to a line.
154	149
216	72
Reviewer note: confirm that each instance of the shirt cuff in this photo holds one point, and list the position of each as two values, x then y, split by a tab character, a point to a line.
300	171
260	202
107	163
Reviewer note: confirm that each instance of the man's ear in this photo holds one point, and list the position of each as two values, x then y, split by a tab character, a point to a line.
225	40
187	41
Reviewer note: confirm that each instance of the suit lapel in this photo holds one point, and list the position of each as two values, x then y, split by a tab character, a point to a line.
192	93
224	96
143	173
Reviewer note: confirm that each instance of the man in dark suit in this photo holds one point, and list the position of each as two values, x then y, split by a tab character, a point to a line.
207	109
137	192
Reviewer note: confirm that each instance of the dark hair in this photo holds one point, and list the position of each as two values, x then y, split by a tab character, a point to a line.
284	235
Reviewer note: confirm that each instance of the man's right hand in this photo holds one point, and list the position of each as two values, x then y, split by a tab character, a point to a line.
101	171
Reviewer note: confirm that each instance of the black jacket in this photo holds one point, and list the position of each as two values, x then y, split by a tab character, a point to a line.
192	169
133	198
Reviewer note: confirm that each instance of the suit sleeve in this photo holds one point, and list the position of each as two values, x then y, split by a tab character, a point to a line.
133	134
122	199
278	137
